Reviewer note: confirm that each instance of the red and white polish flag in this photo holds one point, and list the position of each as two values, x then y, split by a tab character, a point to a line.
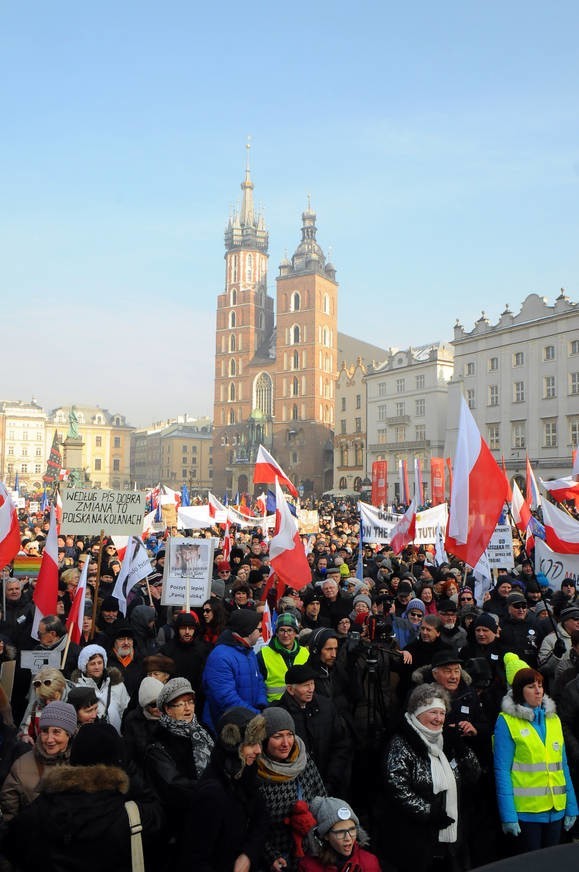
76	615
479	491
405	530
286	549
267	470
520	509
562	489
45	594
9	528
561	530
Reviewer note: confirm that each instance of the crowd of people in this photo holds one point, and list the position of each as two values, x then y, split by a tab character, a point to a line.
390	722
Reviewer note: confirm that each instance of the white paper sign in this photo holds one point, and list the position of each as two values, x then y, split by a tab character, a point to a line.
187	561
90	511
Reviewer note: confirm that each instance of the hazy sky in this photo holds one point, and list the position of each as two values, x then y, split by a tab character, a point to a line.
439	142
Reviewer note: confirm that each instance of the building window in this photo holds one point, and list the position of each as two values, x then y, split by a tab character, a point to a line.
493	437
574	346
382	389
381	437
518	358
420	432
400	407
232	367
358	425
231	393
343	407
549	352
233	297
24	452
493	395
295	387
98	441
550	434
260	321
10	468
263	394
232	342
518	435
295	412
382	413
420	408
342	426
493	364
117	442
573	433
295	302
399	385
295	337
11	450
519	392
232	416
344	455
326	305
38	452
400	434
235	267
574	383
420	382
470	368
470	398
98	464
358	401
249	268
343	483
549	391
232	319
24	467
116	465
296	360
37	468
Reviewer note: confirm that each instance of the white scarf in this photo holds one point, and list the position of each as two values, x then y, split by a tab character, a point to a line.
442	775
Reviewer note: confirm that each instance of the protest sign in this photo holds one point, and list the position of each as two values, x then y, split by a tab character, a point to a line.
499	551
377	525
90	511
427	521
556	567
36	660
308	521
187	562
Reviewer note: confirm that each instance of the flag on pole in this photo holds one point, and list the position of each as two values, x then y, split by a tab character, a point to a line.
44	501
479	491
532	496
226	550
286	549
271	506
561	530
575	467
508	481
405	530
267	470
266	630
562	489
418	484
9	528
76	614
17	485
440	555
215	506
185	498
360	561
54	462
136	565
520	509
58	511
45	594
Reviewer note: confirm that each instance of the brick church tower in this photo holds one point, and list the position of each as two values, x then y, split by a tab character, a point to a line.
274	386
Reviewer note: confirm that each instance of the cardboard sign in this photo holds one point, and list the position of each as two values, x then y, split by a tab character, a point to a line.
90	511
188	561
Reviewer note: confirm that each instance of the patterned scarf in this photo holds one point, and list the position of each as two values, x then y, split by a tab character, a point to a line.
201	741
274	770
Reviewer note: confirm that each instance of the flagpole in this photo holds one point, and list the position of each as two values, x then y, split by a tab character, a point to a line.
67	646
96	588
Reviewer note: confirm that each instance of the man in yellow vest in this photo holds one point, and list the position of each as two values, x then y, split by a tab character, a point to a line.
282	652
535	794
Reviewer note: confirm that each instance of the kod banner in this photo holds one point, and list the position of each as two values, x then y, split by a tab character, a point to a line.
556	567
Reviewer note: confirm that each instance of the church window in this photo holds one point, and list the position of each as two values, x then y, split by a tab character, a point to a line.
232	319
232	367
296	360
295	335
260	321
233	297
263	394
232	342
232	416
295	387
295	304
295	412
249	268
326	304
232	393
235	267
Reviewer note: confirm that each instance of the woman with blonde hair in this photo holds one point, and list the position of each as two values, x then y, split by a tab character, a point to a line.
48	685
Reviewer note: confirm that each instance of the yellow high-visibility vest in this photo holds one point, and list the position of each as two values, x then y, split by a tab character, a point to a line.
276	669
537	772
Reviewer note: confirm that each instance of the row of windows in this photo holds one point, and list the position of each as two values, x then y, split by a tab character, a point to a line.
519	434
357	425
519	391
23	451
260	321
399	434
252	268
358	455
400	385
23	437
400	407
518	358
23	468
358	402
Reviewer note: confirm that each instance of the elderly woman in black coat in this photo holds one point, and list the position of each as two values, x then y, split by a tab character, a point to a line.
425	770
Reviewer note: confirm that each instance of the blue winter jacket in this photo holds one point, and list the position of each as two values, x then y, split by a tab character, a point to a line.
231	678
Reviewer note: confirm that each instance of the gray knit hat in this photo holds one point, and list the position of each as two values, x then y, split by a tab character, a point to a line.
59	714
174	688
276	719
149	690
328	810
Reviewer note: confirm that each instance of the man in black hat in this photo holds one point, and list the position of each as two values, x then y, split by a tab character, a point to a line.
109	619
123	657
451	633
187	651
519	629
466	714
550	654
321	728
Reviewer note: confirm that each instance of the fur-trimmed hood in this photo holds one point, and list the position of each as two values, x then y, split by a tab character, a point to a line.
85	779
510	707
424	674
114	674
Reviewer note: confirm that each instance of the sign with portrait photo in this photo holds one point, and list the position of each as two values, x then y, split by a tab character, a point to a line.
188	561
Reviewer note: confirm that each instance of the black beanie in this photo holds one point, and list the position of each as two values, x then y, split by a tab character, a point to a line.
244	622
97	743
110	604
485	620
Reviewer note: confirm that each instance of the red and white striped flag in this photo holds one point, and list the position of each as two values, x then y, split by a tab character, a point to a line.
9	528
561	530
405	530
76	614
286	549
267	470
266	631
45	594
226	542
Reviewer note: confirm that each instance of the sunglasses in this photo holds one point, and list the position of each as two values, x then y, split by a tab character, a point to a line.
46	682
207	611
520	606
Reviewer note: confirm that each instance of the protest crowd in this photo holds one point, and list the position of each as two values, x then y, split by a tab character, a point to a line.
378	717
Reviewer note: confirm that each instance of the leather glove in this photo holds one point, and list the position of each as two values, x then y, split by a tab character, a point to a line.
511	829
438	815
568	821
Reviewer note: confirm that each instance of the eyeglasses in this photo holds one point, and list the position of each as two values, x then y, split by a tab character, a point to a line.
343	834
182	704
46	682
520	606
285	630
414	614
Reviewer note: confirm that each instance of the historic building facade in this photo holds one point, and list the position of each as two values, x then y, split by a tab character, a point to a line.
23	448
274	382
520	378
174	452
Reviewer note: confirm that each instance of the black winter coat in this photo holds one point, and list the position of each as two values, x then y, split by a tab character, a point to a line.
412	834
228	817
326	738
79	822
138	733
189	663
568	711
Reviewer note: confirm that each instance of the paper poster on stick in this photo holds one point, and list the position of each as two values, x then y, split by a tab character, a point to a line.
187	562
90	511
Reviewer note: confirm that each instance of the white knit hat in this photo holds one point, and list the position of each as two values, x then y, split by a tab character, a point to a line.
88	652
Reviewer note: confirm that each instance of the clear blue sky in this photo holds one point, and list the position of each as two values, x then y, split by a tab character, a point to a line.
440	144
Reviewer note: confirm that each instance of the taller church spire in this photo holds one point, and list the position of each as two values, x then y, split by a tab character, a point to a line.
246	228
